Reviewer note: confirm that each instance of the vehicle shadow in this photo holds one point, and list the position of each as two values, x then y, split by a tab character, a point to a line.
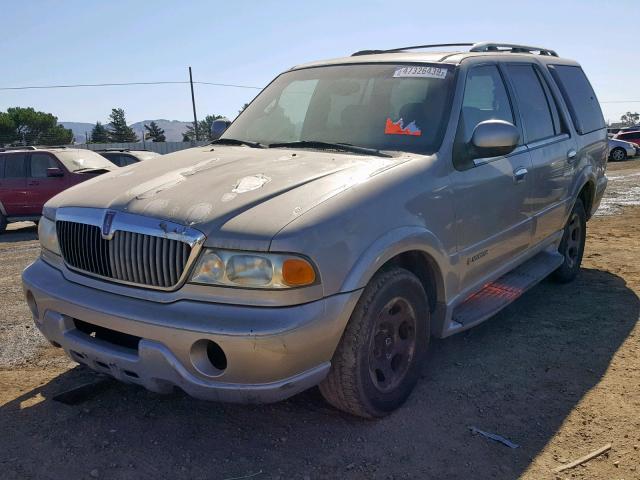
19	232
519	375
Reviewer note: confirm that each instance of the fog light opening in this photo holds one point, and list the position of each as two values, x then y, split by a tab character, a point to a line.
216	356
33	306
208	358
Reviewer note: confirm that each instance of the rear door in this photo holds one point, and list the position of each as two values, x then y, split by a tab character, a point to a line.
13	183
491	194
40	187
552	149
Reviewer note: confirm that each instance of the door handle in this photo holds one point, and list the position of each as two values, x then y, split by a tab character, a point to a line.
33	182
519	174
571	155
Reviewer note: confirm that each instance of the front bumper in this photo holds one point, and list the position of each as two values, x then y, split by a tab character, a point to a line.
271	352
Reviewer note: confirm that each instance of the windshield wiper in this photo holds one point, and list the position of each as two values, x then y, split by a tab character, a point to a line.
90	168
344	147
234	141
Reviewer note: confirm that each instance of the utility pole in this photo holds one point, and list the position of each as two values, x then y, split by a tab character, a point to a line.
144	144
193	102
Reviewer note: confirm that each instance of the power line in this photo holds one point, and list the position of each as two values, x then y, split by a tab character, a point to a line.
122	84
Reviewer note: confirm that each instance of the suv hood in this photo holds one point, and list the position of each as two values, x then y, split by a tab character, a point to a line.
234	195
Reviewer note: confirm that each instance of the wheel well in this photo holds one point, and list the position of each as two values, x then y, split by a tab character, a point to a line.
586	195
427	271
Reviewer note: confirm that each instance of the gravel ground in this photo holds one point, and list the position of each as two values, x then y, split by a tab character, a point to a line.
557	372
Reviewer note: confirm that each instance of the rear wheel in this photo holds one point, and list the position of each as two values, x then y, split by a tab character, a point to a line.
618	154
572	244
378	360
3	223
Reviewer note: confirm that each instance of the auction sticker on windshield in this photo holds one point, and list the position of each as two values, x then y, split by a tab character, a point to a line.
417	71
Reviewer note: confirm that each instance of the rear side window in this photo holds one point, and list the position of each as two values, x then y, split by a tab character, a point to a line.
629	137
580	97
2	166
39	164
14	166
532	101
485	98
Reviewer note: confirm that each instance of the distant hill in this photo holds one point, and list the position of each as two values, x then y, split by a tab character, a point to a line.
173	129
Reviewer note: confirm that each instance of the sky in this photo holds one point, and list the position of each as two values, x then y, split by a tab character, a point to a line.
249	42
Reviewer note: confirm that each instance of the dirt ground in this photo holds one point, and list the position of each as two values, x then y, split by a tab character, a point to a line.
557	372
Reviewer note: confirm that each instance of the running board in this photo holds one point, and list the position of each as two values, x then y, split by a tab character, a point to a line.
500	293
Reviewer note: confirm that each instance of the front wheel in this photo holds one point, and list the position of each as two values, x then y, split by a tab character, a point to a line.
572	244
378	360
618	154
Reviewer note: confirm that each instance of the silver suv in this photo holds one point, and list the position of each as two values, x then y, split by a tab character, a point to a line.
356	208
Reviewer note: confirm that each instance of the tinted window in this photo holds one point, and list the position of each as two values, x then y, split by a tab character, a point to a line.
485	98
14	166
580	97
629	136
127	160
39	164
532	101
2	166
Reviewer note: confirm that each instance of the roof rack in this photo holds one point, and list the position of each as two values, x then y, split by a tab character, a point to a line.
8	149
475	47
511	48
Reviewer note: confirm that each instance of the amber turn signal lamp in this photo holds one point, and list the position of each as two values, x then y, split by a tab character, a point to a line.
297	272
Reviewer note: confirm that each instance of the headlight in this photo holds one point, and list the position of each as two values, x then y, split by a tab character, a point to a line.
253	270
47	235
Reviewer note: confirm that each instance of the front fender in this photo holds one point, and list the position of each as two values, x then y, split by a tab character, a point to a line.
393	243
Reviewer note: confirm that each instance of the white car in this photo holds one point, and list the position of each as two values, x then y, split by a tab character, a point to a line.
621	150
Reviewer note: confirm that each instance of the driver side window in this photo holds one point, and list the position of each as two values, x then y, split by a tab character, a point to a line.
485	98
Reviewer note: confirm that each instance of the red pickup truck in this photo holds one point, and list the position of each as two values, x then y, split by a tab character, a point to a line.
31	176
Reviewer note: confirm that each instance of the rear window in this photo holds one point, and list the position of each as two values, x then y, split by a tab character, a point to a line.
580	97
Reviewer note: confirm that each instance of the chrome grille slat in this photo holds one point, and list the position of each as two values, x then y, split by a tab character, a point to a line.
129	257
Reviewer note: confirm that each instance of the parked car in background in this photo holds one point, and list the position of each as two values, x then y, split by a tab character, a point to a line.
124	157
628	136
356	208
30	176
620	150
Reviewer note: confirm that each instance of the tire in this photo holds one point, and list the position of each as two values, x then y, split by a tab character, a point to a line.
618	154
381	352
572	244
3	223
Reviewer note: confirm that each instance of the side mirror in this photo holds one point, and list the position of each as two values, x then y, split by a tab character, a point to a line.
493	138
218	127
54	172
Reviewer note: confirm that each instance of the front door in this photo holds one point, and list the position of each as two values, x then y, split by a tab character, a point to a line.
40	187
490	195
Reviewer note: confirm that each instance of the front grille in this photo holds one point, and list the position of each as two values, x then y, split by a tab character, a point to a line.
128	257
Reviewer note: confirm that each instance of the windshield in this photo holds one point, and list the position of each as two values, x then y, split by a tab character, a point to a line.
76	160
381	106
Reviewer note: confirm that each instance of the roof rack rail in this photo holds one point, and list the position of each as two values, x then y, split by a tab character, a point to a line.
475	47
25	147
511	48
414	47
112	149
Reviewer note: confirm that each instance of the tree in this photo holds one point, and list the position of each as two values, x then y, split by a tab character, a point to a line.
27	126
243	108
119	131
99	134
204	129
630	119
155	133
